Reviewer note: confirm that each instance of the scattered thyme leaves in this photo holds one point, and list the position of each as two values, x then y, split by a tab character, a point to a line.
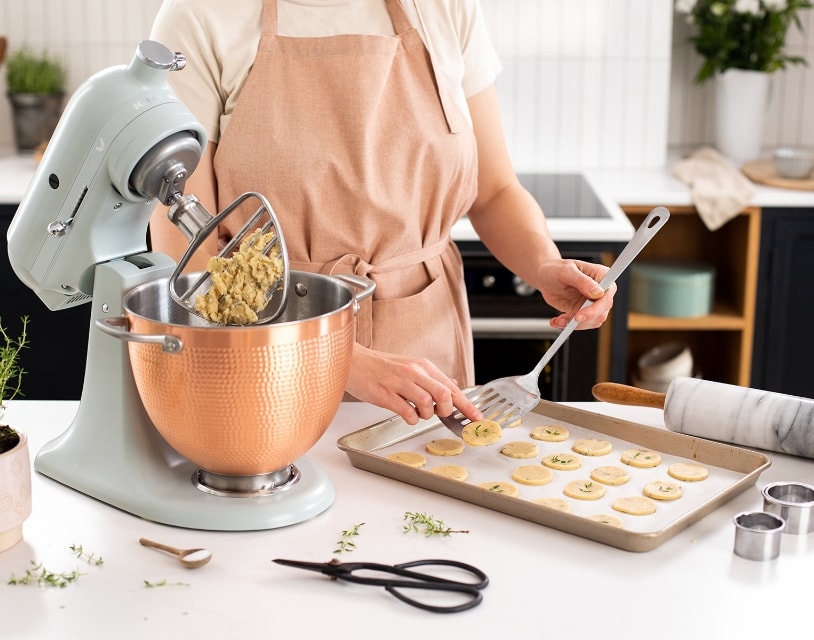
163	583
42	577
90	558
346	543
422	523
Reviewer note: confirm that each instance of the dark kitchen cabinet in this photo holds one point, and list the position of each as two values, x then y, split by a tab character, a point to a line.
783	359
54	361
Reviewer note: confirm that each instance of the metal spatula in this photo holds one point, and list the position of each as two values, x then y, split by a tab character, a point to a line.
507	399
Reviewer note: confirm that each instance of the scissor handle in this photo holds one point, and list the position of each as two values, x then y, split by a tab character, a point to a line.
426	582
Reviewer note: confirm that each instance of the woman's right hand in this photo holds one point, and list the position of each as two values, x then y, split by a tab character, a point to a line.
413	388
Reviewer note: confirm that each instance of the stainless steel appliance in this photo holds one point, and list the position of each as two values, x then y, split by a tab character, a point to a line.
510	320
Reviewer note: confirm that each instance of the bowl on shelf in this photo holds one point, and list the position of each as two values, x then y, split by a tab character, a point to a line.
794	163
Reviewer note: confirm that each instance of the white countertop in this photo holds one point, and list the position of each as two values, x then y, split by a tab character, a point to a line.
540	579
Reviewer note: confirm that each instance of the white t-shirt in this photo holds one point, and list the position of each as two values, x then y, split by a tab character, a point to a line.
220	38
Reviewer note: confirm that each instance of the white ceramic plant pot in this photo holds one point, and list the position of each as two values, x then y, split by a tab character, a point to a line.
741	102
15	493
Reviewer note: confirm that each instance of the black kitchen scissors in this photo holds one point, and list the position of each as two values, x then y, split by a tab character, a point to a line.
399	576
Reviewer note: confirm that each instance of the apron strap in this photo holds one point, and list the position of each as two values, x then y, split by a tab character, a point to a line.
270	17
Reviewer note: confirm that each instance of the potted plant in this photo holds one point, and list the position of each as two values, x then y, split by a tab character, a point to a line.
36	90
742	43
15	465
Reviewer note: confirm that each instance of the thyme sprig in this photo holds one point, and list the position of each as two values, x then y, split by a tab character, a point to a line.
163	583
90	558
422	523
42	577
346	543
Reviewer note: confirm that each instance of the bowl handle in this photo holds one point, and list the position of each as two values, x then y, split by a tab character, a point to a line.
120	328
360	282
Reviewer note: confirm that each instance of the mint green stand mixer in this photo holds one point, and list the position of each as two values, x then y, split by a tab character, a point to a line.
124	143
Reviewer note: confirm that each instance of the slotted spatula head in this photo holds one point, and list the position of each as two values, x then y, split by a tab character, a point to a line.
506	399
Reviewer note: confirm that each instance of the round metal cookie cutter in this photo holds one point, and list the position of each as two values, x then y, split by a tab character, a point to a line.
757	535
792	501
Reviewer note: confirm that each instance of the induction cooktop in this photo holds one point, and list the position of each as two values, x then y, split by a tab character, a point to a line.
564	195
575	209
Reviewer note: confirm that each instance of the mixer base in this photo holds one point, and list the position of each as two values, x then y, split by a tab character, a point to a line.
112	452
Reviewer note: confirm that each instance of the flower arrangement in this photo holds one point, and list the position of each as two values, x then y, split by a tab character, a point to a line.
742	34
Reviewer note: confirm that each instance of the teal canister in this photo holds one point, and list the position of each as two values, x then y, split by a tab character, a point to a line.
674	289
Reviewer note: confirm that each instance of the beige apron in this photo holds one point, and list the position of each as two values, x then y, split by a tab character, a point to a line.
367	165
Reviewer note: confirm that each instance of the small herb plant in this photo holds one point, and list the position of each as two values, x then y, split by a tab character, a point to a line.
422	523
11	375
27	72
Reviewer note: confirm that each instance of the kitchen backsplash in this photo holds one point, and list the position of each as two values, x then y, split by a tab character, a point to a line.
586	83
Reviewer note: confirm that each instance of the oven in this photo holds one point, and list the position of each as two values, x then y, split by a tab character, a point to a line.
510	320
510	326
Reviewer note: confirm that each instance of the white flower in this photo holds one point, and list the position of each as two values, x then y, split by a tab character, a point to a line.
775	5
687	6
748	6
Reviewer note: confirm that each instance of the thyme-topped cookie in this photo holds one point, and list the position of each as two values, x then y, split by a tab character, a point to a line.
663	490
550	433
641	458
505	488
584	490
562	461
481	433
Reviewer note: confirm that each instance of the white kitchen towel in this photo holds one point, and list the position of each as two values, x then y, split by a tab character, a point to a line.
719	190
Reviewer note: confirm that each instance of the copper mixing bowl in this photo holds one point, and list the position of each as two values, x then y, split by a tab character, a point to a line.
243	401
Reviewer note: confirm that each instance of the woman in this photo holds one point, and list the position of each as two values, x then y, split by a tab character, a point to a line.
371	126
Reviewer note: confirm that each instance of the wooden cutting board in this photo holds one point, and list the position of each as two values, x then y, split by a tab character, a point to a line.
763	172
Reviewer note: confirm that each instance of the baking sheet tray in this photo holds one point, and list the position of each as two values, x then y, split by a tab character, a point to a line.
731	470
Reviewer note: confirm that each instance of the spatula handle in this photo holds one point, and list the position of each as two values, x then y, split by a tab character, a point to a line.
623	394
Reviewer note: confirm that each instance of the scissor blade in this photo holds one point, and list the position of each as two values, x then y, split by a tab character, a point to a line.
321	567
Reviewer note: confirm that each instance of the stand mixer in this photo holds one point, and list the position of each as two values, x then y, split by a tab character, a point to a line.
124	143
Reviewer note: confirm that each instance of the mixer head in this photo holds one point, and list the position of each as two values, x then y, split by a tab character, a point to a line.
124	143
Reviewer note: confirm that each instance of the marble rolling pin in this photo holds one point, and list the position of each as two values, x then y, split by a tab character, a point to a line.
727	413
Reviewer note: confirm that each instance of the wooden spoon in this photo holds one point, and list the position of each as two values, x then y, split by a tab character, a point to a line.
190	558
623	394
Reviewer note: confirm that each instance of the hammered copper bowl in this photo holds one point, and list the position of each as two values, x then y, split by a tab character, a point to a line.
244	401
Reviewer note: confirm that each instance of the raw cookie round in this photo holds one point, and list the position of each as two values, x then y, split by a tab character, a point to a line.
520	449
514	423
641	458
635	505
592	447
481	433
550	433
533	474
611	521
612	476
554	503
408	457
445	447
688	471
663	490
454	471
506	488
584	490
562	461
